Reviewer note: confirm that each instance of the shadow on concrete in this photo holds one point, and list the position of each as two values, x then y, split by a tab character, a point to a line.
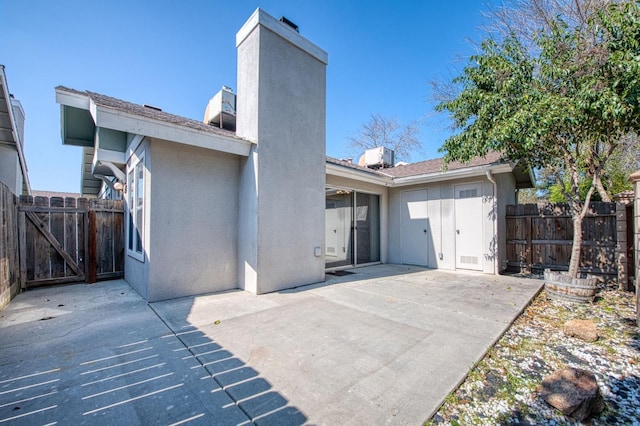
253	394
360	274
97	354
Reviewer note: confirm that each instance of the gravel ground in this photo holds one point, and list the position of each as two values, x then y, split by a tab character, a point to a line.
503	387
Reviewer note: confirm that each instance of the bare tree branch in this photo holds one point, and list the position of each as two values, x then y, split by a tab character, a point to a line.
382	131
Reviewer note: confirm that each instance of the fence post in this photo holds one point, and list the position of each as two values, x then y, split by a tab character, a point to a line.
635	178
621	247
92	255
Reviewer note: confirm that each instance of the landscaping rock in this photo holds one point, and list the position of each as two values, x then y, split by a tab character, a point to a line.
574	392
582	329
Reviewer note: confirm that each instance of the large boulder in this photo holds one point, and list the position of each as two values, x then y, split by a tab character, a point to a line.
574	392
582	329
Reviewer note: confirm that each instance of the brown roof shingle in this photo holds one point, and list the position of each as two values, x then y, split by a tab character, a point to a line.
436	166
146	112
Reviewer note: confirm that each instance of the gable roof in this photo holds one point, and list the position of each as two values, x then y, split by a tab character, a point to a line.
116	114
433	171
104	126
148	112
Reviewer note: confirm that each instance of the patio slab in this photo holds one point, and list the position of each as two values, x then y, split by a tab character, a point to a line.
385	344
98	355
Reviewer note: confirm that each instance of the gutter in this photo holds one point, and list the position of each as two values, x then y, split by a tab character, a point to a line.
452	174
359	175
495	229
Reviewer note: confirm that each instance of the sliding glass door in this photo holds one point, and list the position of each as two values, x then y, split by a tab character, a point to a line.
367	228
352	233
338	228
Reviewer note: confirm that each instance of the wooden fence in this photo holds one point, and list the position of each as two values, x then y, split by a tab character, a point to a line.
66	240
9	262
540	236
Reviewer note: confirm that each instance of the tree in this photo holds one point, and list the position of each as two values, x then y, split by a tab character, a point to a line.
527	20
381	131
563	104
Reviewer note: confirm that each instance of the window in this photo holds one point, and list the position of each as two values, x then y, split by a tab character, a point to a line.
468	193
135	204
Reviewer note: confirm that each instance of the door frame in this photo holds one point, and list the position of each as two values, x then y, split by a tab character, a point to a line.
480	186
354	229
401	227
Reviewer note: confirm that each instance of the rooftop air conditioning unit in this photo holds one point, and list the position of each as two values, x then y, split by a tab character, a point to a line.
378	157
221	110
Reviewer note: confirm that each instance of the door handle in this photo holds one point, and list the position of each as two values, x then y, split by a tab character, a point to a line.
458	231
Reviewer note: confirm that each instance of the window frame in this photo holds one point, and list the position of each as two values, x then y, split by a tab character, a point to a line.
136	200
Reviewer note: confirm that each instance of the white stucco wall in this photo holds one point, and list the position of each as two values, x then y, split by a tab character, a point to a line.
439	210
281	107
506	195
10	171
442	221
190	231
193	226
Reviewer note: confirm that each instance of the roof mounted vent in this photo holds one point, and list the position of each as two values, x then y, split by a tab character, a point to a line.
289	23
221	110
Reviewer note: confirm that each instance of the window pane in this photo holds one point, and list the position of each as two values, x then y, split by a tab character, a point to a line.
139	184
132	228
368	227
339	228
131	210
139	230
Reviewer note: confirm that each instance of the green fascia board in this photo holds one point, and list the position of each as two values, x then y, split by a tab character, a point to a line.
78	128
111	139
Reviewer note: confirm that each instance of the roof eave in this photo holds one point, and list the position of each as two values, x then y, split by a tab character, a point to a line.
355	174
19	144
130	123
135	124
452	174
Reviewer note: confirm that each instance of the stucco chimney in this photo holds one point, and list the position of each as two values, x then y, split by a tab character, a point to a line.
281	103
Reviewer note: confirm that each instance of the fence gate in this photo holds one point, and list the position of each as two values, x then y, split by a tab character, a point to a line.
64	240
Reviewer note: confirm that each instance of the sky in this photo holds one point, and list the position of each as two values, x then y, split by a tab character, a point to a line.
176	55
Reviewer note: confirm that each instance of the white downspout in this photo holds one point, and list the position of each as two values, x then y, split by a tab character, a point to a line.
496	270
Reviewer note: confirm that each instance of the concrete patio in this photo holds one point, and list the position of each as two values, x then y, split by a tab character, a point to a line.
385	344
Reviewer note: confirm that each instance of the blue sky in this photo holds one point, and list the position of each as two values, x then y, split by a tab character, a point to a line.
176	55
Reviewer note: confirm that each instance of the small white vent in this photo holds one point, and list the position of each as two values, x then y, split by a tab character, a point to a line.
469	260
331	249
468	193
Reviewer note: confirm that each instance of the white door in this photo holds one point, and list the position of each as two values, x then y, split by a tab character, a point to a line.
331	229
468	211
415	228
